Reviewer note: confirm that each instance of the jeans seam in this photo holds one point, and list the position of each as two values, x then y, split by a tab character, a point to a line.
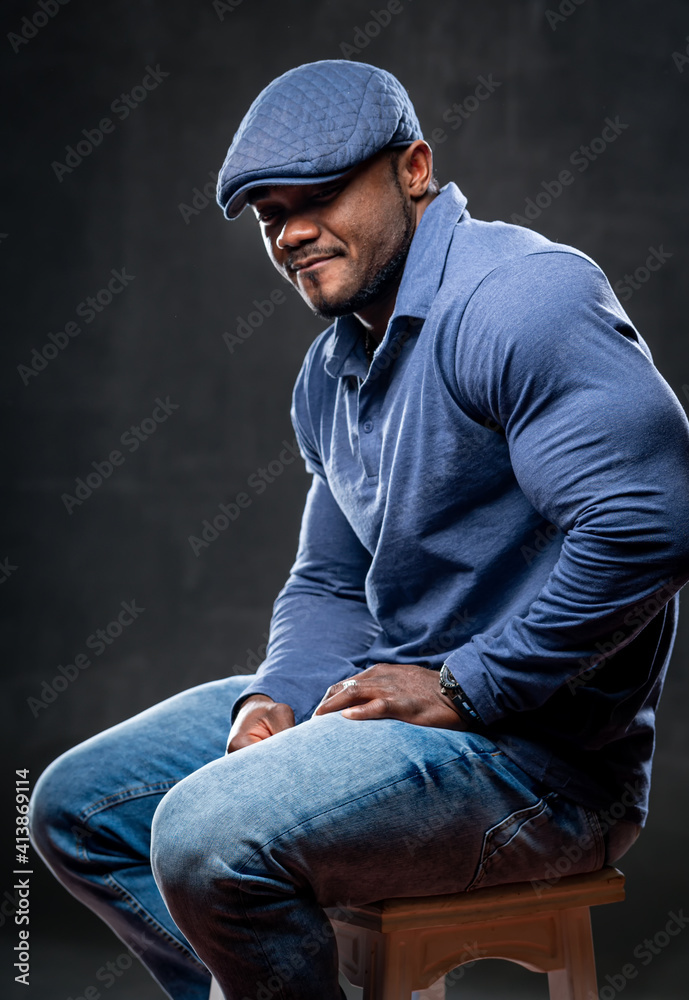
82	853
141	912
268	961
525	814
530	813
113	800
372	791
138	791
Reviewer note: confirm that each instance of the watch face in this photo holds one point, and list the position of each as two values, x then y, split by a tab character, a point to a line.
447	680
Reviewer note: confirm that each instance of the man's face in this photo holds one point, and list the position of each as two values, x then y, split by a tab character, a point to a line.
342	244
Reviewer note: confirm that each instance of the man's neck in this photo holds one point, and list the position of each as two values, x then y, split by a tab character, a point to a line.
375	318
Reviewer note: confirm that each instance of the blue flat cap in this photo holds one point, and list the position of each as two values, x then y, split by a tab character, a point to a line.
314	123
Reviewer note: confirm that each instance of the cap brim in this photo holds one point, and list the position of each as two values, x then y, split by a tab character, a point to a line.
238	201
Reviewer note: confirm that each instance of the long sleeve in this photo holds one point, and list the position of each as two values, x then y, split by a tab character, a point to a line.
321	627
600	447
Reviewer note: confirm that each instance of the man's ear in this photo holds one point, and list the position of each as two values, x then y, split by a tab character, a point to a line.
416	168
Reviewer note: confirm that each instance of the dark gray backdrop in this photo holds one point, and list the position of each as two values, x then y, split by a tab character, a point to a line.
558	69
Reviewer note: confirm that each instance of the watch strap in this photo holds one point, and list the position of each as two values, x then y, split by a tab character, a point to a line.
456	693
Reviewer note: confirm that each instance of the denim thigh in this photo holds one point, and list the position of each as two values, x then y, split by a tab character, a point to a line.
352	811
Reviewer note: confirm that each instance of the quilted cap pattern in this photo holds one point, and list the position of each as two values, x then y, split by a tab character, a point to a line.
314	123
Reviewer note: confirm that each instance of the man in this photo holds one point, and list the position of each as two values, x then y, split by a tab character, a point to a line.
465	661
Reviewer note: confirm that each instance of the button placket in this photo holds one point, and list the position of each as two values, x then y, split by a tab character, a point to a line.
371	398
369	442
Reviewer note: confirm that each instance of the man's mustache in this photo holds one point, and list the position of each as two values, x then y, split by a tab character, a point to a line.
302	258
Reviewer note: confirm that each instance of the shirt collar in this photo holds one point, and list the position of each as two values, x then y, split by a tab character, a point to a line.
423	271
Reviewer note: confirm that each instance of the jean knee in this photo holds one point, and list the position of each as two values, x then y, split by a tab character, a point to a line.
55	809
182	856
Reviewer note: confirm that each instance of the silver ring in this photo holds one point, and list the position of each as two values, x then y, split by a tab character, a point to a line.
347	684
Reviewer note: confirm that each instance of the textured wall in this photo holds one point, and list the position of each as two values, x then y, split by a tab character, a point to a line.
128	205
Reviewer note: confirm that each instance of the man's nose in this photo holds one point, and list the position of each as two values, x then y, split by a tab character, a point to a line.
297	230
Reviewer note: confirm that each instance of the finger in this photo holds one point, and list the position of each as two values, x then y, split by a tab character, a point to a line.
278	725
253	732
325	697
244	740
331	704
377	708
339	695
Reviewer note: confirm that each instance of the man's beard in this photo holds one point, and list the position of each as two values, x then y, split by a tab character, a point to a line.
380	284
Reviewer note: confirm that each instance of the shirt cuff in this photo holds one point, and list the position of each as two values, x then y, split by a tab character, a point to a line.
301	697
240	701
465	665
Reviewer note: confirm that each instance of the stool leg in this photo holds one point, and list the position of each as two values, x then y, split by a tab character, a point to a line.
577	981
216	992
434	992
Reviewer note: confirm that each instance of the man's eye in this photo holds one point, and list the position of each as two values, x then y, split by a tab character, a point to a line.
267	216
326	193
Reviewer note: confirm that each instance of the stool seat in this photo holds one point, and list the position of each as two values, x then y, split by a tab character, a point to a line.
396	946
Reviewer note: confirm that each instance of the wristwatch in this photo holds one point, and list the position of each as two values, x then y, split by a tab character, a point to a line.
450	687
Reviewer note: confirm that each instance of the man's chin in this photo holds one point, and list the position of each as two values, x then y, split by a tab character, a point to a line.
331	310
330	307
346	300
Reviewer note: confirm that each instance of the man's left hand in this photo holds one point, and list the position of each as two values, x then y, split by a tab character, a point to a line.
407	692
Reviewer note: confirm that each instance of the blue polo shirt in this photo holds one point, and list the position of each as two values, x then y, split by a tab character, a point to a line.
506	490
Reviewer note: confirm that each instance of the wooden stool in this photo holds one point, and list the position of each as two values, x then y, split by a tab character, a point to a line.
399	945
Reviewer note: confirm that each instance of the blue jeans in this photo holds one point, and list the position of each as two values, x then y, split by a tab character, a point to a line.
200	860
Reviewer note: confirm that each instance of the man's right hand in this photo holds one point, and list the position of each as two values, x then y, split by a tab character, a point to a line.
258	718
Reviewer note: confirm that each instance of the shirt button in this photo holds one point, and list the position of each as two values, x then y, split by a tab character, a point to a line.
368	426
